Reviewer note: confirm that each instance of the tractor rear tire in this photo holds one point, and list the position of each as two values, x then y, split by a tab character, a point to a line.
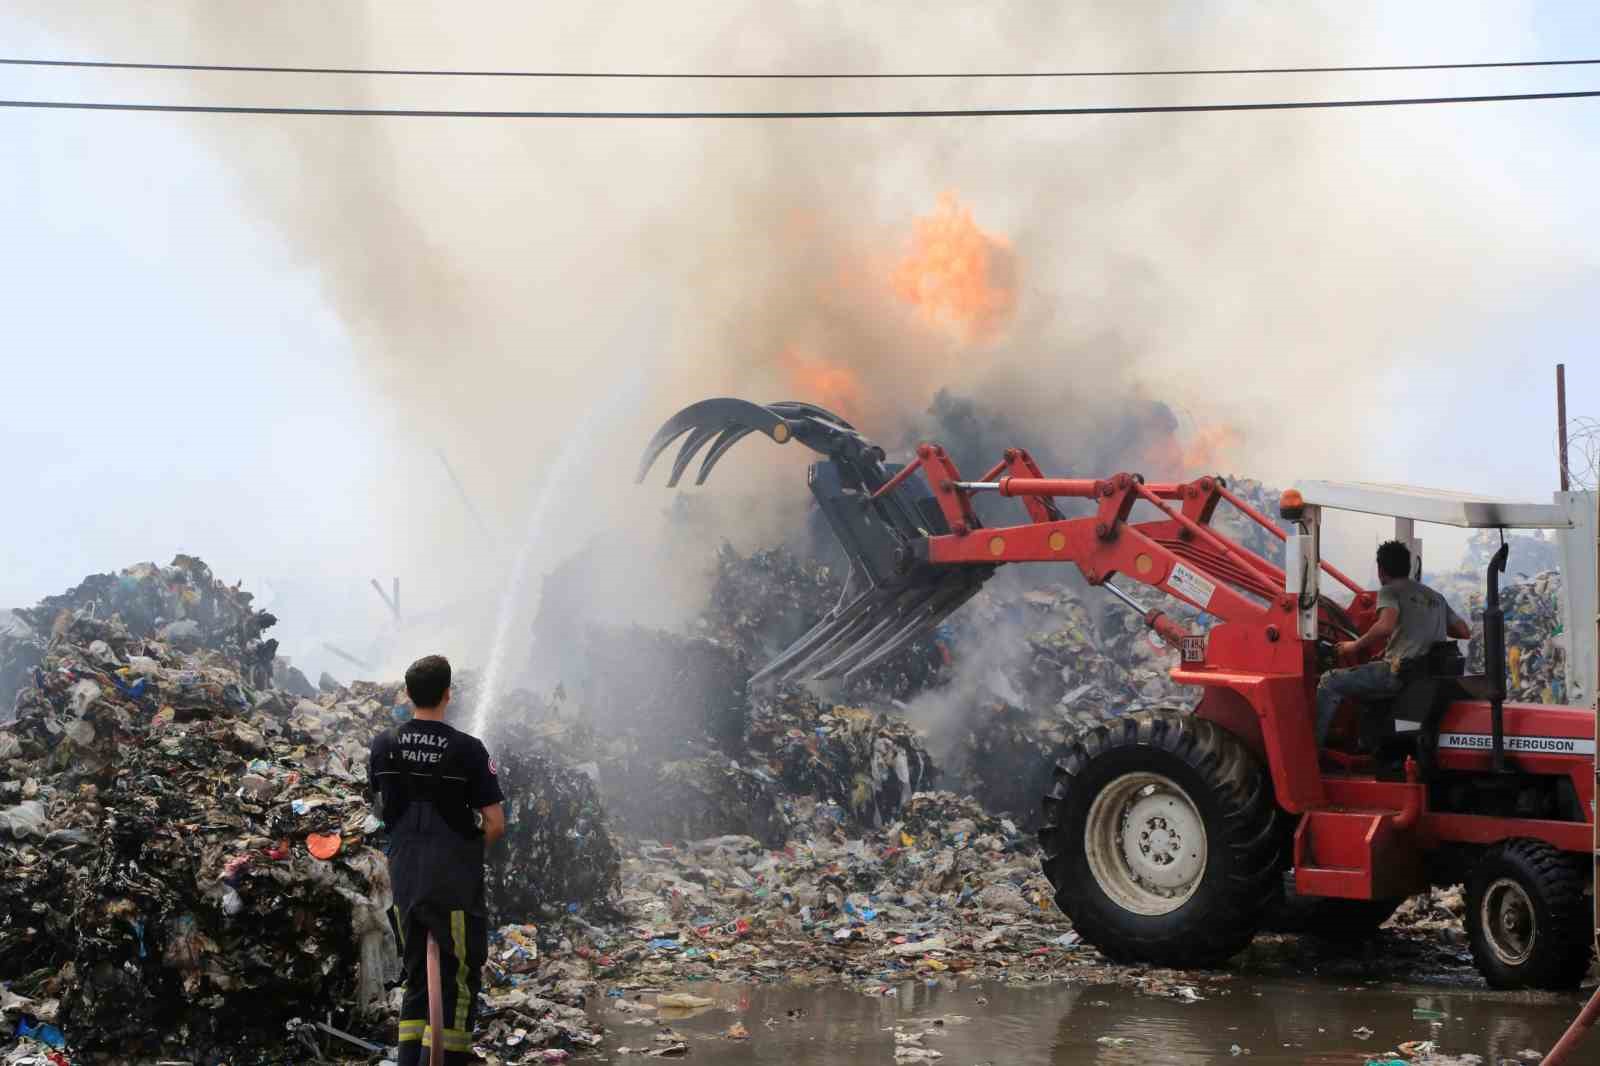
1528	920
1163	839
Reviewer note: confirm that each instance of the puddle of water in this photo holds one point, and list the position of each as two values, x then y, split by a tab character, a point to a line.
1271	1019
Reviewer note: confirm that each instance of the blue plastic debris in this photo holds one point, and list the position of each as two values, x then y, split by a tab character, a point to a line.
866	914
133	691
44	1032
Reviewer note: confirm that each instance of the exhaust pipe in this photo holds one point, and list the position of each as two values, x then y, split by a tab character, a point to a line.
1494	658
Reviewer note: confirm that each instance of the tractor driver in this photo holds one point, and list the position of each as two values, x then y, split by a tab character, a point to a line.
1412	618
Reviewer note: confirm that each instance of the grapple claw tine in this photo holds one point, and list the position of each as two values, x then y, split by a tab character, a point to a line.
718	415
877	606
658	444
691	444
927	619
865	643
730	436
850	606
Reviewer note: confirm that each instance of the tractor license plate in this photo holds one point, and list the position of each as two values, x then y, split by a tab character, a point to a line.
1194	649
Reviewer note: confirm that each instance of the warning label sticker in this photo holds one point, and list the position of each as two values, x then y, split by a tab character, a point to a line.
1529	745
1194	649
1191	585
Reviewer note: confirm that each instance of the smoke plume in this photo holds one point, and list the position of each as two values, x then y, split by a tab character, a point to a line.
1189	292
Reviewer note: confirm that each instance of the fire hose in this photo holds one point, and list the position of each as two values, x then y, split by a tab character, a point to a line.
435	1004
1575	1032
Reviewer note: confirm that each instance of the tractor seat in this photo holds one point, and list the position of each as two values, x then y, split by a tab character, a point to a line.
1407	723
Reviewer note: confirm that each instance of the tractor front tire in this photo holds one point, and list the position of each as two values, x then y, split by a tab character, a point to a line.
1163	840
1527	919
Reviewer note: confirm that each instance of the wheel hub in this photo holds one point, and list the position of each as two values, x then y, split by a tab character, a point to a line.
1509	924
1146	843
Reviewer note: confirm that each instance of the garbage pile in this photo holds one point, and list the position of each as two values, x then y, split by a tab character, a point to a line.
181	843
1536	670
183	606
1233	524
187	855
869	764
680	784
1530	599
945	888
558	849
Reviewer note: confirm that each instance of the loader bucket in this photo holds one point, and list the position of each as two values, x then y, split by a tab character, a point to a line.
891	596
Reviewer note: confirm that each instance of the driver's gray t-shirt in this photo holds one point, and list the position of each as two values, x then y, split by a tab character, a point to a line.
1424	618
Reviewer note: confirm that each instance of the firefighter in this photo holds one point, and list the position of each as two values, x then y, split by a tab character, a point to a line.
441	805
1412	618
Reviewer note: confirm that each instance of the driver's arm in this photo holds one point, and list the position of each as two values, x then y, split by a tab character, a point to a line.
1375	637
1456	629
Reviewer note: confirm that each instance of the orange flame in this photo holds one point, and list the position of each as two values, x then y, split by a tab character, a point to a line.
956	273
830	385
1205	452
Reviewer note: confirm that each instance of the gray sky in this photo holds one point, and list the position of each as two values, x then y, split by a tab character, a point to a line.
191	368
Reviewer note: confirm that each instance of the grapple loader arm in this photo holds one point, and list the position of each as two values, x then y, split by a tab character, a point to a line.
918	550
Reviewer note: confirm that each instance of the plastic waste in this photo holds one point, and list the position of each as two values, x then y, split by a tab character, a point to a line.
43	1032
26	819
682	1001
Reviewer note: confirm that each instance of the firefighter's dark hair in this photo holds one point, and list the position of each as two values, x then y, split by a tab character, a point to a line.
1394	559
426	681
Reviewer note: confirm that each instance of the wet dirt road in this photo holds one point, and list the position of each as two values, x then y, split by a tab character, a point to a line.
1264	1007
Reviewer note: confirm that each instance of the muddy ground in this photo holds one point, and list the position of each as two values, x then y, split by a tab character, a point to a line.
1287	1000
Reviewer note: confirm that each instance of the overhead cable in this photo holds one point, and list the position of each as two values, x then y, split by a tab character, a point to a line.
833	76
976	112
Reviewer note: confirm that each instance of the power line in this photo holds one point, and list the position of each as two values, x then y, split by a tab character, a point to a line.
836	76
978	112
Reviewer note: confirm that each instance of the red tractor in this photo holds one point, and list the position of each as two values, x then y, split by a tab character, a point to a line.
1167	834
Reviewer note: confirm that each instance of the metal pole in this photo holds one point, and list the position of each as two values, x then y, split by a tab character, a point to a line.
1561	422
1585	1021
347	657
394	607
461	490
